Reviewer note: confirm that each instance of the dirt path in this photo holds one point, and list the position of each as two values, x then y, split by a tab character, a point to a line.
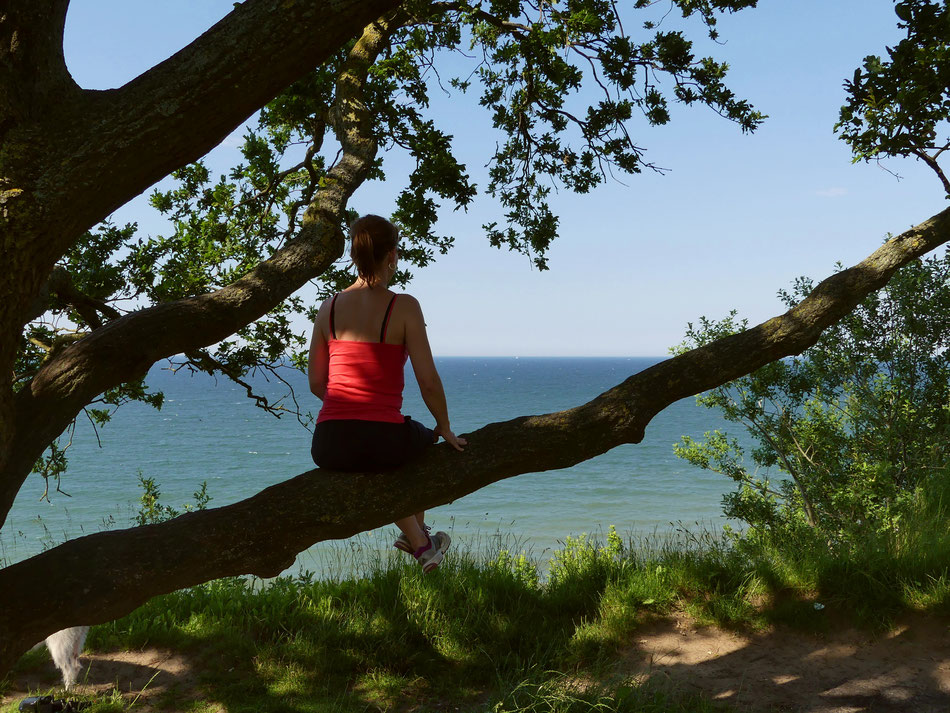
161	680
907	670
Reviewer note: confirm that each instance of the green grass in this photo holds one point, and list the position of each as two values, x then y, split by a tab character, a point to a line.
557	695
481	631
490	631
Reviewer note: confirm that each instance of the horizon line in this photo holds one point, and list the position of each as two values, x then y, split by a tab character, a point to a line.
550	356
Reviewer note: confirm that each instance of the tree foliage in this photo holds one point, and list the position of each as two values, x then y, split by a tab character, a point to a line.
565	85
898	106
847	433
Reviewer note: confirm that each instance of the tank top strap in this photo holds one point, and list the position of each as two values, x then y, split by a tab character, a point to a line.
332	309
389	311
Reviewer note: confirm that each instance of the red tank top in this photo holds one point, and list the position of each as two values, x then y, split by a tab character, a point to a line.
365	379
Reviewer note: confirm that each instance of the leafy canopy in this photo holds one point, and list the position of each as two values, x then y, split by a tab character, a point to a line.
566	85
899	106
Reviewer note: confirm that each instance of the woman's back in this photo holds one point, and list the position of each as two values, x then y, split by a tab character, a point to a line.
365	371
359	315
366	325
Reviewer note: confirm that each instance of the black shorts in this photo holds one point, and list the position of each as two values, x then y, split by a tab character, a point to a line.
349	444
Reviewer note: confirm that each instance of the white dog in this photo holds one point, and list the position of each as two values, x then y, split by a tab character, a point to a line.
64	646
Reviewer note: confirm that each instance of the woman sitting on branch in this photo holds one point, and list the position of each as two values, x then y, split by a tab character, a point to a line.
361	339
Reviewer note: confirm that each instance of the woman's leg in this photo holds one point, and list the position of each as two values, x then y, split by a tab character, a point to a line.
414	438
412	529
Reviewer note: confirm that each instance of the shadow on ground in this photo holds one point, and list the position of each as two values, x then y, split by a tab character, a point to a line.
907	670
841	671
160	679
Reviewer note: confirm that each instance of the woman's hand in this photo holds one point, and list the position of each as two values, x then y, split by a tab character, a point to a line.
450	437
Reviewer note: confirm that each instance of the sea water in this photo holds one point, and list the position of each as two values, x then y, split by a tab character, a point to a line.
209	430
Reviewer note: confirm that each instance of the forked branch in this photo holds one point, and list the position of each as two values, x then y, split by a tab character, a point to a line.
931	162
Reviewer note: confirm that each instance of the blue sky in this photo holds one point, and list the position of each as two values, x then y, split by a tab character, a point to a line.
736	218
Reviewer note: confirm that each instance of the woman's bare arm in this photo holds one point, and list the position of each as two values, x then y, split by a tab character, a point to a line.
318	364
423	366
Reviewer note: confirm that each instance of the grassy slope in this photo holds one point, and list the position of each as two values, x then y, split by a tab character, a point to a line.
489	633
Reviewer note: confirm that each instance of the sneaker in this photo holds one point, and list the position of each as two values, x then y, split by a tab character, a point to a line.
402	542
430	556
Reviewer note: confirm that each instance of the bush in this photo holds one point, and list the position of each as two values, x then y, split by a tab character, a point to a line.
849	433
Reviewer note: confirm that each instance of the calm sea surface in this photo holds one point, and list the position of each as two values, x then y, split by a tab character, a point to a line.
209	430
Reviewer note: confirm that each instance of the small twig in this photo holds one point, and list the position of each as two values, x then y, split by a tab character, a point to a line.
880	165
271	185
613	8
292	393
95	429
940	151
932	163
745	477
506	25
203	361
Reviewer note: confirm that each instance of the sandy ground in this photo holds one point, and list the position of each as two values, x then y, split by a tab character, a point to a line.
906	671
151	675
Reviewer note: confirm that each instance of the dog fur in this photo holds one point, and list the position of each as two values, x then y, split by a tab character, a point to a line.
65	646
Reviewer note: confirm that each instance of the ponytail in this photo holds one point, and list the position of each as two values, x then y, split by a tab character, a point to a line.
373	238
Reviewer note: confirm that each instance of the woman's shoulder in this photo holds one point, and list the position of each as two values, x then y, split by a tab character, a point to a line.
405	298
408	304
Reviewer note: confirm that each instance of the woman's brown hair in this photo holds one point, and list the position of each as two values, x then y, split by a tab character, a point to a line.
372	238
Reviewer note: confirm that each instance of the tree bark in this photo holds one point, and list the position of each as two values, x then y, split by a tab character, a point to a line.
33	76
103	576
182	108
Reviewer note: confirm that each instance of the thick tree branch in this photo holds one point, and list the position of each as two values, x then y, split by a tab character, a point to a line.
261	535
66	169
182	108
351	121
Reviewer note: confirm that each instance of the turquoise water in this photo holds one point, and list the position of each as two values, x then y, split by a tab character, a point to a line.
209	430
